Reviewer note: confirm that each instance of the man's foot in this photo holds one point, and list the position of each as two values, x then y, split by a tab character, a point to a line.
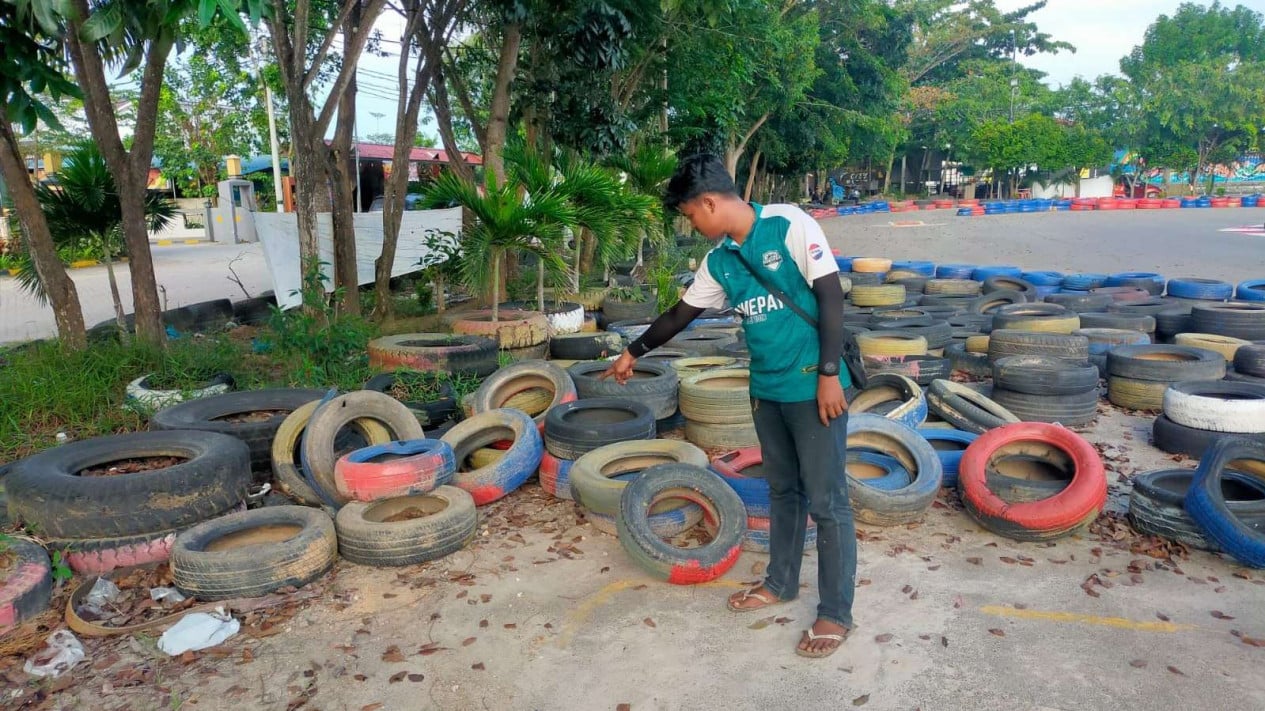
750	599
822	640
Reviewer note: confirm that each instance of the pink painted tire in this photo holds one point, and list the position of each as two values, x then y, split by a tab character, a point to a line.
416	467
26	583
102	555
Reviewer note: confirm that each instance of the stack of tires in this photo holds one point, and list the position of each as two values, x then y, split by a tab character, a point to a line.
654	384
1221	506
893	473
1249	364
402	509
716	405
743	471
1157	505
1045	389
597	480
1196	412
576	428
895	397
1056	487
460	355
1137	376
966	408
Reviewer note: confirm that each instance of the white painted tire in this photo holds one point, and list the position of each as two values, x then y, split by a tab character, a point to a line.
1217	406
566	321
141	399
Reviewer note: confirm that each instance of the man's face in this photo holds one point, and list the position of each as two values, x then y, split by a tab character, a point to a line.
704	214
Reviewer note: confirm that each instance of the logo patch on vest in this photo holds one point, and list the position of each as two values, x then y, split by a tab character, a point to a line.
772	259
815	251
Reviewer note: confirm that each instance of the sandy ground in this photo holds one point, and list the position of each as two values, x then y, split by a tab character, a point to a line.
544	612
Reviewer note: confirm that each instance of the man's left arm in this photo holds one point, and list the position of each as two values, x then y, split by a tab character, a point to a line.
808	247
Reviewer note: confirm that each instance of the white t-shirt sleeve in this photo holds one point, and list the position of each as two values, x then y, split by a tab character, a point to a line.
705	292
809	248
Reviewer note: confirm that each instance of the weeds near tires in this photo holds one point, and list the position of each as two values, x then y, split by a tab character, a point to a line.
61	569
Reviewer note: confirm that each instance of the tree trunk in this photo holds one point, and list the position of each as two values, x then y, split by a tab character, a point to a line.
149	327
887	176
496	292
114	290
498	121
311	197
751	171
540	283
57	284
347	200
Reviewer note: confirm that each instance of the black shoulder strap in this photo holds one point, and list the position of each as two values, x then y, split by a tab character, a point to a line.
772	289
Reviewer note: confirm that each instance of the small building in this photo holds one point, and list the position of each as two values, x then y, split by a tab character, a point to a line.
375	160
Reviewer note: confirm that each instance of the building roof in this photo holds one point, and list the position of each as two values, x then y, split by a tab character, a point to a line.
379	151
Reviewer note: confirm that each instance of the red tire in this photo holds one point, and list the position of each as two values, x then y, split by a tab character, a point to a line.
969	202
26	583
415	468
1108	204
555	476
1044	519
1126	204
1220	202
1170	203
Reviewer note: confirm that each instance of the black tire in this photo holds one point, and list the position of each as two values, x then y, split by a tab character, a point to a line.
975	322
1103	340
450	523
211	315
1172	321
1165	363
1157	497
899	318
444	352
722	508
254	311
654	384
1049	318
46	492
1017	490
576	428
938	334
1081	303
1173	438
1005	342
961	303
913	285
1141	307
735	350
26	583
319	443
702	342
619	310
1071	409
938	312
966	409
206	414
1239	319
962	361
907	504
585	346
922	369
994	284
1250	360
990	303
295	545
429	414
1132	322
958	288
1041	375
866	278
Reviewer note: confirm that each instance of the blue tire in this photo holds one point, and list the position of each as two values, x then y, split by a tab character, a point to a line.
1150	281
1206	504
1083	282
982	273
965	212
955	271
921	267
1204	201
752	490
893	475
844	263
908	504
1208	289
1250	201
1043	278
756	538
953	444
509	472
1251	290
665	524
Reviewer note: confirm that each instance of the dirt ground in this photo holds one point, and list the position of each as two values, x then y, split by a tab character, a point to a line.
544	612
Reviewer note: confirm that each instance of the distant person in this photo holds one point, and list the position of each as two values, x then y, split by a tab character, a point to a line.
773	264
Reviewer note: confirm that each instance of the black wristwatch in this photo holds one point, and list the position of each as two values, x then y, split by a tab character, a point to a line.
828	369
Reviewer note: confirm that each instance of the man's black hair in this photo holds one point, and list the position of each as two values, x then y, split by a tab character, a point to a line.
698	174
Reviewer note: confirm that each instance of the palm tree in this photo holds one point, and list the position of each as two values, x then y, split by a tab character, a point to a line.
505	219
84	212
647	170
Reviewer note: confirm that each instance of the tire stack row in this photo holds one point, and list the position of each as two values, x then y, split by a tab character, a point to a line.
577	428
1197	412
1045	389
716	405
1137	376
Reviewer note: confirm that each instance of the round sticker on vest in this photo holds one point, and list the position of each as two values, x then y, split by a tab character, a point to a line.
815	251
772	260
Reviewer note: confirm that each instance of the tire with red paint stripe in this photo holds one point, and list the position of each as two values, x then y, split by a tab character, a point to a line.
522	459
26	583
723	515
415	467
756	537
555	476
99	556
1076	505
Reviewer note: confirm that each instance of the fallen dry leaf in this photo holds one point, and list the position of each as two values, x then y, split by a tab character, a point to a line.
477	667
760	623
1221	615
998	632
513	626
649	622
1138	663
393	655
907	589
944	641
883	638
372	707
1163	616
623	707
416	677
397	677
975	560
483	624
861	700
360	677
468	641
1176	671
1252	641
1007	560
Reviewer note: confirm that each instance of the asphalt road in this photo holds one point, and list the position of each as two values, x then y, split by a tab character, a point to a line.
1172	242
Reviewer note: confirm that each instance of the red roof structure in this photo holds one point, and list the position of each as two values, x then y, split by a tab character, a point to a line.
378	151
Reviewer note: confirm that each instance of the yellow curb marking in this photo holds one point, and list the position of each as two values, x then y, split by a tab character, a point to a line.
1054	616
193	241
585	609
164	243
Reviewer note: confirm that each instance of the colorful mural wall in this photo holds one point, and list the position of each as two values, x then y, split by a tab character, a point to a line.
1249	168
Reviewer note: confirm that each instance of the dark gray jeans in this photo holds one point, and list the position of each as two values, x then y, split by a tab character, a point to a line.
804	465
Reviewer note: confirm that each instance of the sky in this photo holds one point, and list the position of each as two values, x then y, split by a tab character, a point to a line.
1102	31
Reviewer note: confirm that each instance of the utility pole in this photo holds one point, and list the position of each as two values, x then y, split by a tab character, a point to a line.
277	187
1014	80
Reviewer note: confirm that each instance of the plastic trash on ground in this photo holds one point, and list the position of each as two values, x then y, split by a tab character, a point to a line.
198	630
171	595
62	653
103	593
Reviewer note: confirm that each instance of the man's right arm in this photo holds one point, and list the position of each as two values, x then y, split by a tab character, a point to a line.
668	324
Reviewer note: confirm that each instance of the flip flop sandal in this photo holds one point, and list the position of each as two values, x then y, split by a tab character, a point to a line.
840	638
748	594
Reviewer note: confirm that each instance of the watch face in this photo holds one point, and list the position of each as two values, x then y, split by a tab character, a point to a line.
829	369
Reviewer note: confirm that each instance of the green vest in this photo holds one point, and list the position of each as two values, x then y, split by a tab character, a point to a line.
784	347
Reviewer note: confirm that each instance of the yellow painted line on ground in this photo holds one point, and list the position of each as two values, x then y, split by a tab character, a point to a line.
163	243
1055	616
193	241
585	609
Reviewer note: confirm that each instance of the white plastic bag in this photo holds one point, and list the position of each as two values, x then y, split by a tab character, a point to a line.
171	595
62	653
198	630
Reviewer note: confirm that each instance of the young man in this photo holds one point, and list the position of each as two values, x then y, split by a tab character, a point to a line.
797	380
